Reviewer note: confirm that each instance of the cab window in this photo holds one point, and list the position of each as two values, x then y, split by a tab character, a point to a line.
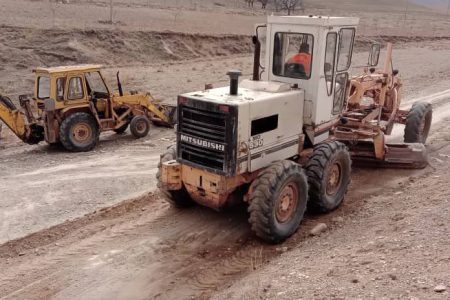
346	37
96	83
330	55
75	88
60	87
292	55
43	91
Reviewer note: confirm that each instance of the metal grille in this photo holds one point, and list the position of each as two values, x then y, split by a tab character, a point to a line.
206	126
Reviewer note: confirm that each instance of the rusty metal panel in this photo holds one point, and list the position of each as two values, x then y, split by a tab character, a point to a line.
171	175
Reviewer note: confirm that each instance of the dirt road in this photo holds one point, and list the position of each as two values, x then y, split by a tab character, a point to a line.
42	188
142	249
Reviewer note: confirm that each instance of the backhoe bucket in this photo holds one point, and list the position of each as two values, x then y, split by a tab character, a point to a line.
404	156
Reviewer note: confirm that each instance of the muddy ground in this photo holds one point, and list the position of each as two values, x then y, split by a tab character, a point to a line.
92	225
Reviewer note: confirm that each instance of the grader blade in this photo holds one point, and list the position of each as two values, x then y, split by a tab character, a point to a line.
404	156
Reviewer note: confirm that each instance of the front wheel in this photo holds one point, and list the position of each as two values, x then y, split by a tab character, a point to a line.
328	170
140	126
278	201
418	123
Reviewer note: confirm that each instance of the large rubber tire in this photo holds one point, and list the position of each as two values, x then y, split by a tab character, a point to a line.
79	132
36	136
418	123
328	171
139	126
180	198
278	201
122	128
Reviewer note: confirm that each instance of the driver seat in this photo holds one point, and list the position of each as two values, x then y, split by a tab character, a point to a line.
294	70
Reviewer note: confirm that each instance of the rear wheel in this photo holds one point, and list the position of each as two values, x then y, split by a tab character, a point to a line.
418	123
179	198
278	201
328	171
79	132
139	126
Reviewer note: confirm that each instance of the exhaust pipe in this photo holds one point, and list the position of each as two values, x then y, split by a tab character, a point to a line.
119	84
256	57
234	81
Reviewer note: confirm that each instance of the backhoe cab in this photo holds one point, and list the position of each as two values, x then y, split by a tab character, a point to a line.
73	104
285	141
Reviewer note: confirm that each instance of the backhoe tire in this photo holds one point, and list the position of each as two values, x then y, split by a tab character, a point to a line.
179	198
418	123
278	198
79	132
328	170
139	126
36	135
122	128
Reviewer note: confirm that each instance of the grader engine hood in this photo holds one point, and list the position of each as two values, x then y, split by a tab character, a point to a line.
231	134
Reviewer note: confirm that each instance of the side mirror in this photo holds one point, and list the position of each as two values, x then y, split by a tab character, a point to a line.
374	55
328	68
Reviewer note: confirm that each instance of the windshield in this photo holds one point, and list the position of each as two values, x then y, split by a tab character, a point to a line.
43	87
96	83
292	55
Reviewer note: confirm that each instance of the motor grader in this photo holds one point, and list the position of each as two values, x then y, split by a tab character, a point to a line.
285	140
73	104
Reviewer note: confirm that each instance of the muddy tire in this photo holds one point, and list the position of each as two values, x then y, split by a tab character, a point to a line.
328	171
36	136
278	201
418	123
180	198
122	128
139	126
79	132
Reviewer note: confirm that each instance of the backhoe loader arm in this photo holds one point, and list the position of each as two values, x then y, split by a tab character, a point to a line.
16	120
13	118
162	114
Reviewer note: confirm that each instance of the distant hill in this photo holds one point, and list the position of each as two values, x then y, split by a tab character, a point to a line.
434	4
369	5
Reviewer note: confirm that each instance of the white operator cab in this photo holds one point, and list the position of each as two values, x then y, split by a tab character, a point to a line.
329	43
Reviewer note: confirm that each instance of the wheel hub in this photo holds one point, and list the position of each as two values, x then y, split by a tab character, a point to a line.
334	179
287	203
82	132
141	126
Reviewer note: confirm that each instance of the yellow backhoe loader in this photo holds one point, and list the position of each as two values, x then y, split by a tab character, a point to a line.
72	105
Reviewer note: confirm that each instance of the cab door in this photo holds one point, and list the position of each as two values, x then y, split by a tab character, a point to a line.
333	82
343	63
75	90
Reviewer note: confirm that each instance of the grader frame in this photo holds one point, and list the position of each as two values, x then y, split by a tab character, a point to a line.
373	107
